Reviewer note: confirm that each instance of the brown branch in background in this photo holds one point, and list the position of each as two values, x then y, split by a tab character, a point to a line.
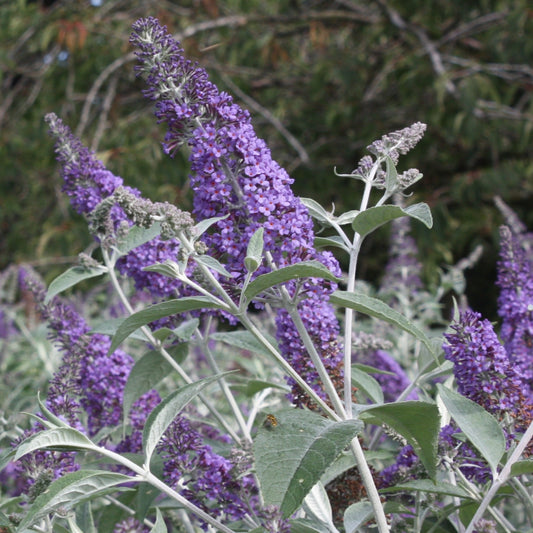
428	45
106	107
223	22
472	27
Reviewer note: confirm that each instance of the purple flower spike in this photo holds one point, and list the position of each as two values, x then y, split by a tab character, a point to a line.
483	370
515	304
234	175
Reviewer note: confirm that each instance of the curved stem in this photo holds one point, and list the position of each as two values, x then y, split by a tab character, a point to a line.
501	478
370	486
164	353
224	386
144	474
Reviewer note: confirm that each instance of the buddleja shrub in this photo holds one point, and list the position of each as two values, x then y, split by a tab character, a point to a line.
229	384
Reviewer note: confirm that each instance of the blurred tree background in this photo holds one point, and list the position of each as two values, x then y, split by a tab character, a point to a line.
322	79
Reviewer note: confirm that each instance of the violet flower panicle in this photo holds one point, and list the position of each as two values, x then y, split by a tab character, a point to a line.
483	371
86	390
88	183
234	175
515	304
202	476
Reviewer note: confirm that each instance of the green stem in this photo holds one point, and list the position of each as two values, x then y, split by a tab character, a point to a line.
223	384
152	340
313	353
501	478
370	486
144	474
286	367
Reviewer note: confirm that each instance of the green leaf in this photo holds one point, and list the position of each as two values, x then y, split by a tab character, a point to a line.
254	251
51	417
291	456
303	525
110	327
157	311
372	369
137	236
374	217
417	422
213	264
244	340
204	225
367	384
316	210
186	329
253	386
391	180
346	218
379	309
317	504
5	522
72	277
426	485
334	241
305	269
146	373
356	515
522	468
159	526
69	490
59	438
479	426
169	268
163	415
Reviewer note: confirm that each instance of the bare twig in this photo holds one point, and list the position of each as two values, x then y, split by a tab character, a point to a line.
250	102
430	48
223	22
102	119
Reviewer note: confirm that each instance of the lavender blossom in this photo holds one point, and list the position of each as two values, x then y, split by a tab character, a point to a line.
393	383
234	175
515	304
130	525
483	370
89	184
86	390
402	273
202	476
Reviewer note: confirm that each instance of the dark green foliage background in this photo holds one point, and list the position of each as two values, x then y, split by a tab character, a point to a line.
336	74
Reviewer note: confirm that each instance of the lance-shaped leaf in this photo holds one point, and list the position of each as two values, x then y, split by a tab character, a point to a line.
157	311
379	309
356	515
205	224
334	241
426	485
244	340
291	455
367	384
72	277
163	415
213	264
159	526
146	373
58	439
254	251
137	236
479	426
71	489
374	217
417	422
305	269
317	211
